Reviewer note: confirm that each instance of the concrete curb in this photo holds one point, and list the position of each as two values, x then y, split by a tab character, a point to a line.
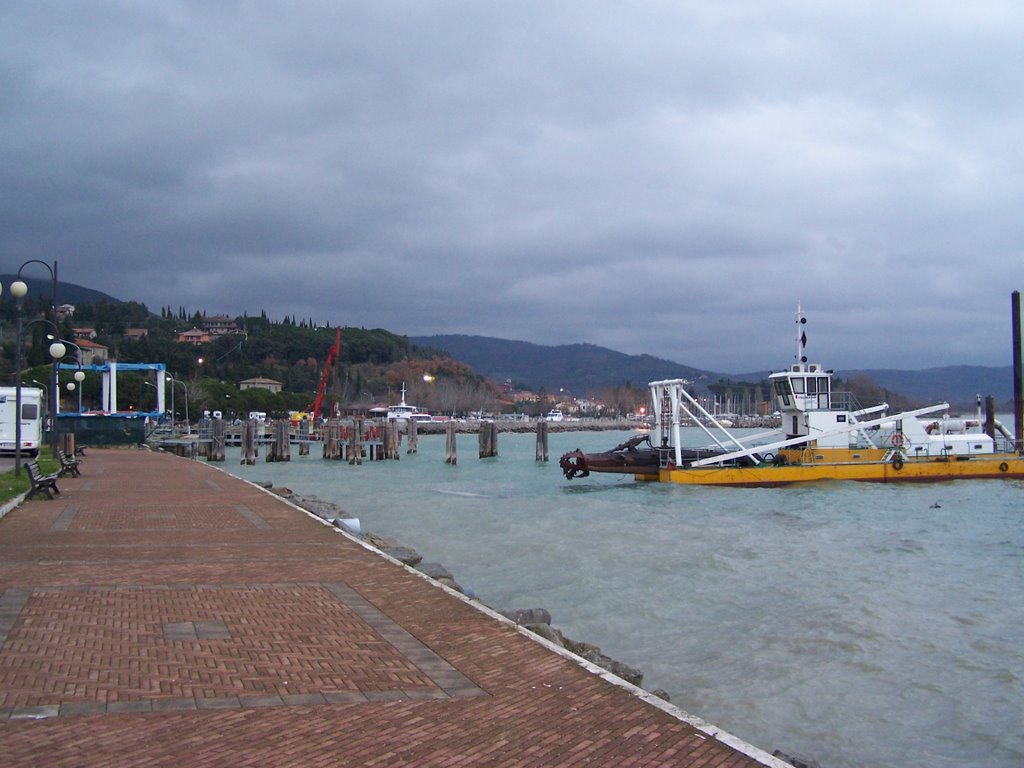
13	503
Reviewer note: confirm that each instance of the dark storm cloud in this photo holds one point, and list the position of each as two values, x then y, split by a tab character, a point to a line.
670	178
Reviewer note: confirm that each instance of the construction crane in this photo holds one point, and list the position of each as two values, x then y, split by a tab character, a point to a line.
332	356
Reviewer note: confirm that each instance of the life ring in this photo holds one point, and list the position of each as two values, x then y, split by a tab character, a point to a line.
1004	467
898	439
897	463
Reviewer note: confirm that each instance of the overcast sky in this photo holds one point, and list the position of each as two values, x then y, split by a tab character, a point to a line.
662	177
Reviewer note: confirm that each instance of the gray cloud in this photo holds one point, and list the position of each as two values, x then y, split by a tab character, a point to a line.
661	178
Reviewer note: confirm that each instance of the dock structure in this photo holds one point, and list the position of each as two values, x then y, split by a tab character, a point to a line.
225	626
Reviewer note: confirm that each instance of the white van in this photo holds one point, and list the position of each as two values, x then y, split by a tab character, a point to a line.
31	419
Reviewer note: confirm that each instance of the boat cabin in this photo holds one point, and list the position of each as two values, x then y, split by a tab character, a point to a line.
803	395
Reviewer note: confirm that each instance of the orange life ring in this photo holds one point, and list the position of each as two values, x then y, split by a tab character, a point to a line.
898	439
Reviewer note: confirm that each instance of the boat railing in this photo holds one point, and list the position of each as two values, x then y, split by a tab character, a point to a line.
845	401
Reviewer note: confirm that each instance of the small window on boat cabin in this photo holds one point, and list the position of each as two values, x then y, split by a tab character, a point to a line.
798	386
812	385
782	391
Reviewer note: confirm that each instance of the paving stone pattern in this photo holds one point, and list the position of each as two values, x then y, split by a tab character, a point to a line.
160	612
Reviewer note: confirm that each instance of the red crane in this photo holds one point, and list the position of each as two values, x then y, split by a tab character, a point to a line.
332	355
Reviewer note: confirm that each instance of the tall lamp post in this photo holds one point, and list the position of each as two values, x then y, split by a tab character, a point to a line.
19	290
188	424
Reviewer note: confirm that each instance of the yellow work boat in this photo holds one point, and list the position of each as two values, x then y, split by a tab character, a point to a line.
822	436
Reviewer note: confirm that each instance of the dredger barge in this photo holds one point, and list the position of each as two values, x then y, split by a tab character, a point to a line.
823	436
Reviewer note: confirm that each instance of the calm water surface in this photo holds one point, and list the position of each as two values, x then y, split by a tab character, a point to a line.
858	624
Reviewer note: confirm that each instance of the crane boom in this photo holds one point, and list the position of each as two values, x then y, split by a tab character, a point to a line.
332	356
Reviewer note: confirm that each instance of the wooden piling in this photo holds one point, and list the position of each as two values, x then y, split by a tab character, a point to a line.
542	440
280	444
450	454
304	437
413	436
488	439
249	442
332	433
272	445
391	440
216	450
354	446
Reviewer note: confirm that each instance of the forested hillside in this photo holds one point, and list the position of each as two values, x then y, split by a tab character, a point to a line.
372	366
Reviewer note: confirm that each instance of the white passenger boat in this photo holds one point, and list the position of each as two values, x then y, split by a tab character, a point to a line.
405	412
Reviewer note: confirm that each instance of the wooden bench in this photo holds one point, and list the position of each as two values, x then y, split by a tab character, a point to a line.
41	482
68	465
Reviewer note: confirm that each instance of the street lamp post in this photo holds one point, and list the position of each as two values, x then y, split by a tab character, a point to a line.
188	424
79	375
18	290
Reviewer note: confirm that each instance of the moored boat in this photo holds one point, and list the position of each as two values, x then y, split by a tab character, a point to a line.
824	435
404	412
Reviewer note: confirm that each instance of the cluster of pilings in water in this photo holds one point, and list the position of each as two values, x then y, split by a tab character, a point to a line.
351	440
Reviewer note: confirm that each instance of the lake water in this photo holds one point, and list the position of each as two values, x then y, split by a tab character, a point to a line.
857	624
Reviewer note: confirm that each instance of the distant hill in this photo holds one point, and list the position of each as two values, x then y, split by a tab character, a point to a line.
583	367
957	384
575	367
580	368
67	293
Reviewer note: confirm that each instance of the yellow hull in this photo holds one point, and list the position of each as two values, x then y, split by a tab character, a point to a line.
865	469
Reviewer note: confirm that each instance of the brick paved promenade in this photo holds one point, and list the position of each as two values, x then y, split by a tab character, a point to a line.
161	612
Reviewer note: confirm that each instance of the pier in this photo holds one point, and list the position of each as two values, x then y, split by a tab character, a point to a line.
356	440
162	612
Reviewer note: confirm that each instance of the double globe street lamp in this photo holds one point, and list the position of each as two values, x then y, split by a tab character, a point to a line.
79	375
57	350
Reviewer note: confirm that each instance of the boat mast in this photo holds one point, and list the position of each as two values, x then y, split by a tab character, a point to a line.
801	336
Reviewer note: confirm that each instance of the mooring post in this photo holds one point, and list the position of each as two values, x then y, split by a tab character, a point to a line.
413	436
391	440
272	446
488	439
450	454
304	437
283	438
542	440
249	442
354	447
331	435
216	441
